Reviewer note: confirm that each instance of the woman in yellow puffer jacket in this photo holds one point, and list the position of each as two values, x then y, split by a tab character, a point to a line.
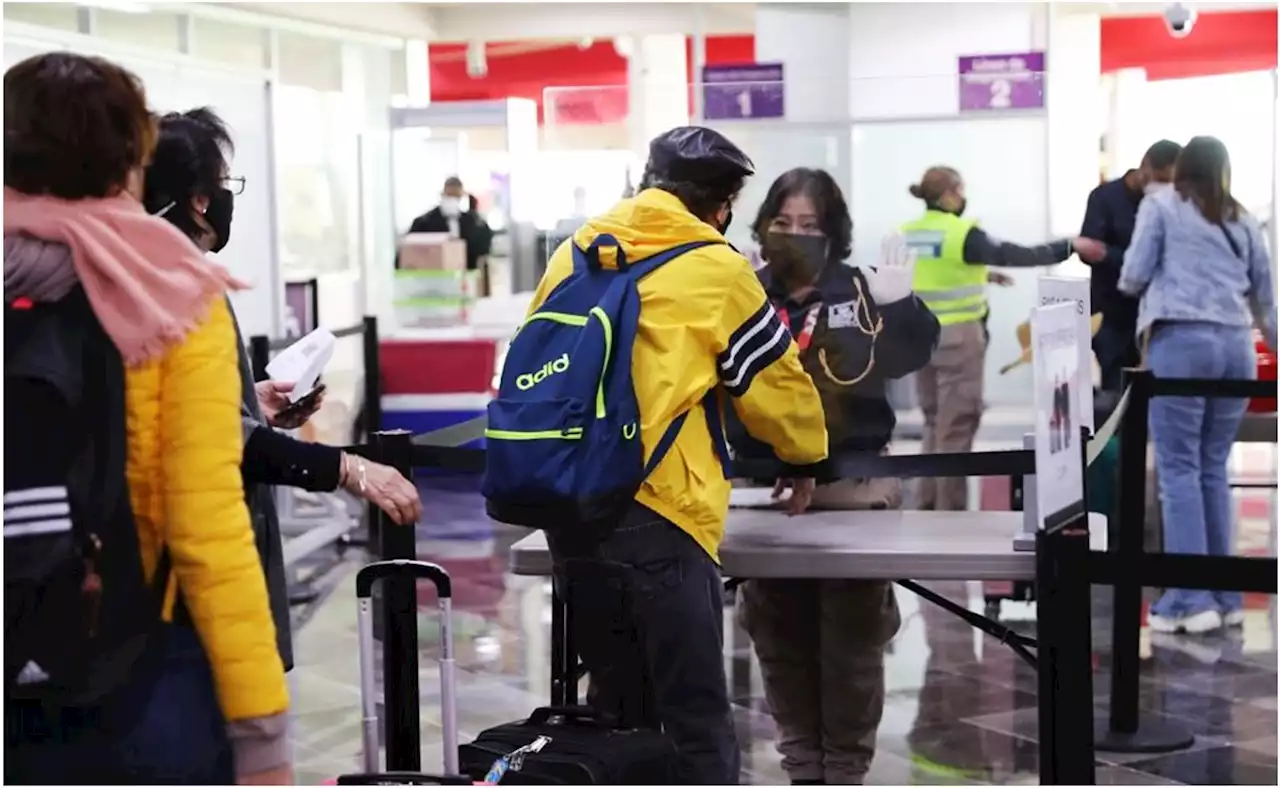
208	703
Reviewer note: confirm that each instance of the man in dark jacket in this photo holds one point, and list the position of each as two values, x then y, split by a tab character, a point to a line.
1109	218
456	215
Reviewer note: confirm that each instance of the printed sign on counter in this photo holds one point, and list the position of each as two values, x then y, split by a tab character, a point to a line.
1055	339
994	82
1069	290
743	92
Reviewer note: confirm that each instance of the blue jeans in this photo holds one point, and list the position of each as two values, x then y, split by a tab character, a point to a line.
163	727
1193	438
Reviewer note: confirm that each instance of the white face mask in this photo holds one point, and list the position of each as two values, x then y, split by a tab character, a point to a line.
1156	188
450	206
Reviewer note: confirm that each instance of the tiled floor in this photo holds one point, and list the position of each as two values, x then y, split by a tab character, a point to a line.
961	708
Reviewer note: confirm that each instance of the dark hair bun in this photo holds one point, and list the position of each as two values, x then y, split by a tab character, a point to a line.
916	190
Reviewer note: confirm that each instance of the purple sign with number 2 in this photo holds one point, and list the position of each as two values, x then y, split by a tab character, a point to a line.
996	82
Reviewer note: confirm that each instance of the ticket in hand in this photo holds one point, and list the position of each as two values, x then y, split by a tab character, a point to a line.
302	362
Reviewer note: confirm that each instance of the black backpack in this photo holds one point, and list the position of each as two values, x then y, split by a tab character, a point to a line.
77	607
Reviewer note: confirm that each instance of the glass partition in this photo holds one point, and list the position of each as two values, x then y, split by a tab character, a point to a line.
1000	150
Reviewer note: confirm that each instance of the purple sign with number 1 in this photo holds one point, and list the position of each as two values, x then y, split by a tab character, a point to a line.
745	92
996	82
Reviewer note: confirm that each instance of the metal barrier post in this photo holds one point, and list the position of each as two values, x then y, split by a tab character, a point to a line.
1123	731
372	377
259	356
401	732
1063	653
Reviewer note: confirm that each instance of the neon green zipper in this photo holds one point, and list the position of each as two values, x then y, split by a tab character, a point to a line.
599	314
569	434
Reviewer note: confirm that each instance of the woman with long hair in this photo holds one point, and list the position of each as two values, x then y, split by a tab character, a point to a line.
206	702
1199	263
821	642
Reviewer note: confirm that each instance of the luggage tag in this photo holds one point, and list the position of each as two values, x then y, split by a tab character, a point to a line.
514	760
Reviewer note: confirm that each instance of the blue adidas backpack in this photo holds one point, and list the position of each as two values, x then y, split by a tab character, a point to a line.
563	442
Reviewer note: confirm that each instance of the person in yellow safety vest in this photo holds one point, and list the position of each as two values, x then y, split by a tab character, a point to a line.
951	277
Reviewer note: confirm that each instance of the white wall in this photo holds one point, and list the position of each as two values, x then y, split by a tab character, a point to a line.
173	83
812	43
1076	122
657	77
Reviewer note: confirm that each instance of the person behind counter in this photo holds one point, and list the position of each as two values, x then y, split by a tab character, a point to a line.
951	275
821	642
1200	266
457	216
188	183
1109	217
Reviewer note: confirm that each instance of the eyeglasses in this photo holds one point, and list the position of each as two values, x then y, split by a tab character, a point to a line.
234	184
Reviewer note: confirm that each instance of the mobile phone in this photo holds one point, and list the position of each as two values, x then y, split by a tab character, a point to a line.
301	405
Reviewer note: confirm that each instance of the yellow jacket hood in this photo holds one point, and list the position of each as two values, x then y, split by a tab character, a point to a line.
651	222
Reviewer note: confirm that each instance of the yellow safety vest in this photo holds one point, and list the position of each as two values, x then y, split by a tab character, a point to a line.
955	291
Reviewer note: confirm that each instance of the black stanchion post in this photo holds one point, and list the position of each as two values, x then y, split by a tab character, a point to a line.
1064	653
259	356
372	377
399	618
1125	540
564	687
1123	730
372	421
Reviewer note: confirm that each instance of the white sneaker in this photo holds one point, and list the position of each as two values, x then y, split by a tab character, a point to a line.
1234	619
1198	624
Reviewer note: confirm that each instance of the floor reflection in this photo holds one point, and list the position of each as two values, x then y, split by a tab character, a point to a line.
961	708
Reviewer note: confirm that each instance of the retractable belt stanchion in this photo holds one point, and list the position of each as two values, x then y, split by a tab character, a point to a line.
399	616
1063	646
259	355
1127	567
1064	642
1125	729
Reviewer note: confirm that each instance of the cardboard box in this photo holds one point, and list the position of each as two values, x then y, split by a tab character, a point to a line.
433	251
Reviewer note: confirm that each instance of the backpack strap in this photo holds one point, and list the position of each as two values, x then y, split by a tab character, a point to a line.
589	258
643	268
715	425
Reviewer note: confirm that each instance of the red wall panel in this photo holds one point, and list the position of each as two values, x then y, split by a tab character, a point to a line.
1225	42
526	69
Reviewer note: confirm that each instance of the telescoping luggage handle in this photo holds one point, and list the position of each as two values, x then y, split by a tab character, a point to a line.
365	580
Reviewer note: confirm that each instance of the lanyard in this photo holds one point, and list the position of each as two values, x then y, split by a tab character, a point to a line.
810	323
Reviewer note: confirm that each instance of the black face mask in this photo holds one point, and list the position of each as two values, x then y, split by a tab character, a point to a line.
794	260
728	220
221	206
959	211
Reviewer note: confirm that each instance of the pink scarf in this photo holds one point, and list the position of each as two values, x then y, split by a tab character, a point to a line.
147	282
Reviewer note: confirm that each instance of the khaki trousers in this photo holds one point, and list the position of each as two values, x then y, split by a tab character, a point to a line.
950	389
821	649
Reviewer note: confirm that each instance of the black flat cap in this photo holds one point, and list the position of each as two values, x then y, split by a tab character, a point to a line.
697	154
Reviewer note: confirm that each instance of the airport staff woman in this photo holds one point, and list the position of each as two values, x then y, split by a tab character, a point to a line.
951	276
821	642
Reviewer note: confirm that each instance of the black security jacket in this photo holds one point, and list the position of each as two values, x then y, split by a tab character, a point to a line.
859	416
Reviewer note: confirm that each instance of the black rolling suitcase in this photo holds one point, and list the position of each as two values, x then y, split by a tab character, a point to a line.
366	578
570	744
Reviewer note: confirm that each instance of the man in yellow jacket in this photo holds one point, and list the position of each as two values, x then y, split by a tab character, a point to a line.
705	323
